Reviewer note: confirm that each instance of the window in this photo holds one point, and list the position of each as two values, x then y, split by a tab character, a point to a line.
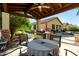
59	27
53	26
56	26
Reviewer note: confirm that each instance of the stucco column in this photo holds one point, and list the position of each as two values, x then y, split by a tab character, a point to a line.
5	26
5	21
38	24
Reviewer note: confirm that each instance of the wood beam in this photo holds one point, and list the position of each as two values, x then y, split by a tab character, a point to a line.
27	9
51	6
30	7
55	5
16	7
22	15
5	7
18	4
68	7
0	5
40	12
32	13
45	10
37	14
60	5
11	10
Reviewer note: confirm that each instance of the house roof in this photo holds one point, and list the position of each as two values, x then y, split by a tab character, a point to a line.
49	19
36	10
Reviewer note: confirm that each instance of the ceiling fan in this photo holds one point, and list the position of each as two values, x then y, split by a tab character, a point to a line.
41	5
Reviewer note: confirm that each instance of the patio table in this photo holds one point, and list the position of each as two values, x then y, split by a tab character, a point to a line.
41	47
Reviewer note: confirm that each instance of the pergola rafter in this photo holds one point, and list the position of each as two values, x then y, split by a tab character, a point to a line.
5	9
22	15
33	9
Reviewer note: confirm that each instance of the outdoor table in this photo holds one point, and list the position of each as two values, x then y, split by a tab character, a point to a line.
41	47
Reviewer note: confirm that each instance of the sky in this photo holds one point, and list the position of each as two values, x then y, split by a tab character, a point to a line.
67	16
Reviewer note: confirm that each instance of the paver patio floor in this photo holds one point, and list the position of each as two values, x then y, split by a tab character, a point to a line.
66	44
70	44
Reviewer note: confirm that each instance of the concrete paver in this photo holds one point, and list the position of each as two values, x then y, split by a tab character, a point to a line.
64	45
70	44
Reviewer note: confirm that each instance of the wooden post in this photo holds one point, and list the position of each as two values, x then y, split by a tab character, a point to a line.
38	24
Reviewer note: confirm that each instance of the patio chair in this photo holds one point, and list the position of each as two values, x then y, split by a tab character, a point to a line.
21	38
56	38
40	35
66	50
24	38
2	44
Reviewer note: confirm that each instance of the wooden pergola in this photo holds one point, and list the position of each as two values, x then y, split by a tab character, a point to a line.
36	10
32	10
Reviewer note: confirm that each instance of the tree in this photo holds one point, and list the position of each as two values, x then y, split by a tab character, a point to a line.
16	23
19	23
70	27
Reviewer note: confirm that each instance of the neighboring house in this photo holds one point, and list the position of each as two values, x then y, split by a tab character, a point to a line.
50	24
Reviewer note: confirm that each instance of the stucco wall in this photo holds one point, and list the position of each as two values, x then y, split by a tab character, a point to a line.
42	26
49	23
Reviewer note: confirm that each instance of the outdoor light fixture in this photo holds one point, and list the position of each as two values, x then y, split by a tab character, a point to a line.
40	6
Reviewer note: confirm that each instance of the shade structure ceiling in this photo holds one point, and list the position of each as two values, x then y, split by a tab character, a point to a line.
36	10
